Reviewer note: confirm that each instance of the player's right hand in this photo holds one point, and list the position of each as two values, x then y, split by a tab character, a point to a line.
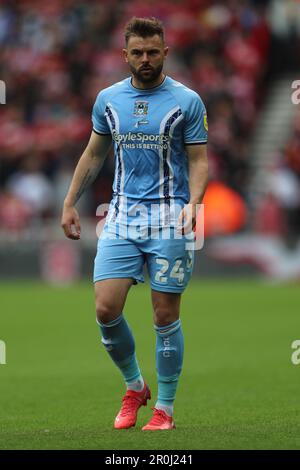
70	222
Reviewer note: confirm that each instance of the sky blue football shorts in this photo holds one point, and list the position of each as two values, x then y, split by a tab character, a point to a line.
169	260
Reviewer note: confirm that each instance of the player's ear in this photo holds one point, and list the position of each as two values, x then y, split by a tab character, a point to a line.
125	54
166	50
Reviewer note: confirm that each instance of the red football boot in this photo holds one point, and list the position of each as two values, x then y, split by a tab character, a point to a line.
160	421
132	401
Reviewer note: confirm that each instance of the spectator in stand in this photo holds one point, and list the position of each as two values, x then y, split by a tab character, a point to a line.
31	186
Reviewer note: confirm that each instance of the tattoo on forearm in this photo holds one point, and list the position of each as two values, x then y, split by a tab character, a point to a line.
86	180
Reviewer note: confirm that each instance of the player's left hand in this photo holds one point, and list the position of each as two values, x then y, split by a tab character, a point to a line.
186	222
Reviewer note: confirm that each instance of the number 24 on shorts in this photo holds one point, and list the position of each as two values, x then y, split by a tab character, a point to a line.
177	271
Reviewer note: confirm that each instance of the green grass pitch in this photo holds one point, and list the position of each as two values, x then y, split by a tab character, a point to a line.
238	390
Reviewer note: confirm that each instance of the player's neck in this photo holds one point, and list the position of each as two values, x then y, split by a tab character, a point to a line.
146	86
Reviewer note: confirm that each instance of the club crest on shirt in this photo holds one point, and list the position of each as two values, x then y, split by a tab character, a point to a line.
141	108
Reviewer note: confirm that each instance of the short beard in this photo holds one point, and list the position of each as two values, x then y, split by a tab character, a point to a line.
152	77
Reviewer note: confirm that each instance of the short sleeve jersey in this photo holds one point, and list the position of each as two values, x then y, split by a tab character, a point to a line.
150	129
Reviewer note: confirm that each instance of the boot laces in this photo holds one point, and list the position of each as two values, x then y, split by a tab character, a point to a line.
159	416
129	404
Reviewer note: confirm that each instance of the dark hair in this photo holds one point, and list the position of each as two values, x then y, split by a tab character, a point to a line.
143	27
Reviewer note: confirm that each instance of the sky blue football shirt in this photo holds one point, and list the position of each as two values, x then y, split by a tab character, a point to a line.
150	129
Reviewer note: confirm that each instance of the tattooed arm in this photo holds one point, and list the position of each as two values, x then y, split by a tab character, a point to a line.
85	173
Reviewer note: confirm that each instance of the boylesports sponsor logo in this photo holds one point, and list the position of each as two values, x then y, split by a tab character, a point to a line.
135	139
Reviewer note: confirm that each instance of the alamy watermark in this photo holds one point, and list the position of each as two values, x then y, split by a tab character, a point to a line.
295	358
2	352
296	94
2	92
163	221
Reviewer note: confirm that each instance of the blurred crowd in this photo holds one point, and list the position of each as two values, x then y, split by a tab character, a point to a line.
56	56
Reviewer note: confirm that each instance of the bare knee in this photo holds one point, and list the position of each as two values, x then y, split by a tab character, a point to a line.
106	310
164	316
110	296
166	308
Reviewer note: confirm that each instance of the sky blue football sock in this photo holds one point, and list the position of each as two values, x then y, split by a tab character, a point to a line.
118	341
169	358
